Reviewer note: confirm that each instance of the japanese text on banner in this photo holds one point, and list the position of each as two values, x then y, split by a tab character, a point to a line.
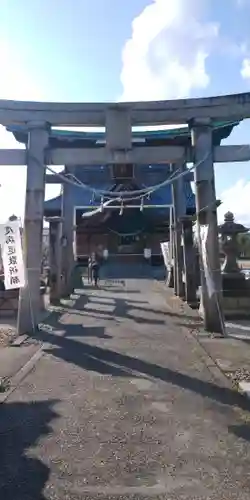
12	257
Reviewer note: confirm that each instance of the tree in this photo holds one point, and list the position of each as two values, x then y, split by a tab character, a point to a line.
244	245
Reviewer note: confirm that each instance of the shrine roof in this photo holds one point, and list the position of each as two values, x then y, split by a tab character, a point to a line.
98	178
171	136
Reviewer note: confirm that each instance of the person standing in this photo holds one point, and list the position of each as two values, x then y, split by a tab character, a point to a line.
95	270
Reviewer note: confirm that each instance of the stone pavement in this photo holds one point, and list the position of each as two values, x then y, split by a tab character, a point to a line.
231	353
123	404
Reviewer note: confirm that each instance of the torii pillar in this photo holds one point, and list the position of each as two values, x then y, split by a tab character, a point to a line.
178	212
206	211
55	257
29	297
171	268
68	254
189	260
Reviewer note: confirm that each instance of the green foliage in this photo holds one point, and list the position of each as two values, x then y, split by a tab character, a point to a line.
45	256
244	245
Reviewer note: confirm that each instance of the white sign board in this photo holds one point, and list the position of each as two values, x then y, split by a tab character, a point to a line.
147	253
165	249
12	256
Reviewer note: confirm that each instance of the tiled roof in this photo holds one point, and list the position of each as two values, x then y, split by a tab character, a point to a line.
221	130
98	177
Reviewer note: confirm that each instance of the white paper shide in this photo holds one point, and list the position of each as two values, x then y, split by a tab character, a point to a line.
12	256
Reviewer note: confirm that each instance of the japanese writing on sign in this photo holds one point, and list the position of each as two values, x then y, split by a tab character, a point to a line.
12	257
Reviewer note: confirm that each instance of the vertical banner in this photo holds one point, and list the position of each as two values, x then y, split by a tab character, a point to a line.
12	255
208	275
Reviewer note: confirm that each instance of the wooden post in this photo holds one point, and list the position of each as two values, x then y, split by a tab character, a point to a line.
55	257
29	297
189	261
178	211
68	257
206	210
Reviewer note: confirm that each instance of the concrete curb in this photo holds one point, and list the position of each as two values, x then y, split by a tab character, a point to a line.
214	368
19	340
212	365
243	387
14	382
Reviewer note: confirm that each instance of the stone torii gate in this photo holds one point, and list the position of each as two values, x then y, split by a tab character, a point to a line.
118	119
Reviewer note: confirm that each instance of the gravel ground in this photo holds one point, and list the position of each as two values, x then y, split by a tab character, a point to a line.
7	335
239	375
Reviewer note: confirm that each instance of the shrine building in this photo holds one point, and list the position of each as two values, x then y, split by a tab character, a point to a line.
130	230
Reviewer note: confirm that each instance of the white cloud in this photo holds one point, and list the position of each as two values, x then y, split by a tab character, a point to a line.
166	57
166	54
244	47
15	84
236	200
245	68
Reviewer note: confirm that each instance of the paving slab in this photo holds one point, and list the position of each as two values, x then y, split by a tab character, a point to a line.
15	350
12	358
123	404
231	353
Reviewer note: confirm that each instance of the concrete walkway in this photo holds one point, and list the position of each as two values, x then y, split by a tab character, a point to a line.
123	404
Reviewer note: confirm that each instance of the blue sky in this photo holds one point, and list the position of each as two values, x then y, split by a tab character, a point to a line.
105	50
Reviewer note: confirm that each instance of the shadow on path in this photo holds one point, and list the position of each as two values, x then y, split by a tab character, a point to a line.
21	425
102	360
123	308
241	431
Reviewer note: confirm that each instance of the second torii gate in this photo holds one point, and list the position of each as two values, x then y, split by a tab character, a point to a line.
118	119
